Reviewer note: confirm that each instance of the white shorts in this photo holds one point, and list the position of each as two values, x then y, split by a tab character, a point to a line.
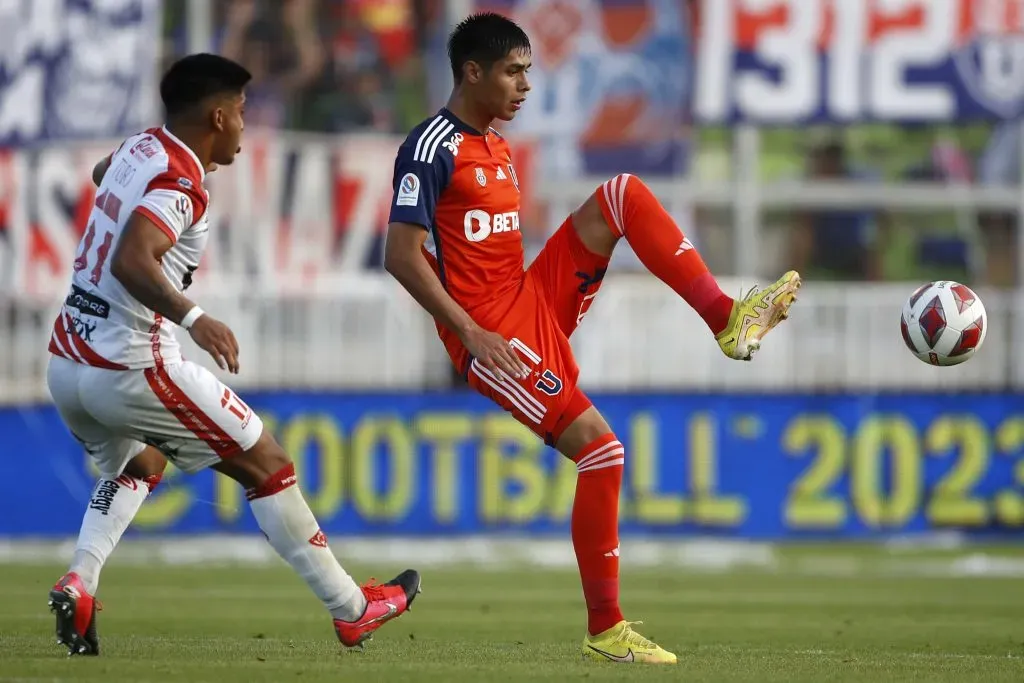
182	410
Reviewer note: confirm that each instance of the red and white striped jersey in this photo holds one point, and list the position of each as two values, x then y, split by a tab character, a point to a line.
100	324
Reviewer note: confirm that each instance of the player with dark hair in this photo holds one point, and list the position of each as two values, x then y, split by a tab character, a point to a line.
122	388
453	242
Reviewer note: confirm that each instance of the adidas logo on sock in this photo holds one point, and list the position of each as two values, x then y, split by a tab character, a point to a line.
612	553
687	245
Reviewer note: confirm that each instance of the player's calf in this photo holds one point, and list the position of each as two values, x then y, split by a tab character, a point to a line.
113	505
268	475
624	207
599	458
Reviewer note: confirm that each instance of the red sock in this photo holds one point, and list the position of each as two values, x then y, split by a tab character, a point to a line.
632	211
595	529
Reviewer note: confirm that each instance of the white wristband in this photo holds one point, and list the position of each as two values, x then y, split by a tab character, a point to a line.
191	317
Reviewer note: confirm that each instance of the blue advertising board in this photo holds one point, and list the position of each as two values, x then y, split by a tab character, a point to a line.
744	466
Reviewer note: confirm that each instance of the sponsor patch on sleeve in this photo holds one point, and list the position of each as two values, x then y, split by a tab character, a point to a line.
408	190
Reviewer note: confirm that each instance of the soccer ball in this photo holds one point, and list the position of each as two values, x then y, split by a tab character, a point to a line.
944	323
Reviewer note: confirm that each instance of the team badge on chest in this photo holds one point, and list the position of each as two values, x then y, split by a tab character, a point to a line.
480	177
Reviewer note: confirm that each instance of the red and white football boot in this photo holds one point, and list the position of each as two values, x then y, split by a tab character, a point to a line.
384	602
75	610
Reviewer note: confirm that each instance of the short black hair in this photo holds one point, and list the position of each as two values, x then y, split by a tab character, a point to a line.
484	38
192	79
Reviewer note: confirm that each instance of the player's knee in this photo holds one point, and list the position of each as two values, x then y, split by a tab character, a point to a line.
621	189
602	455
595	227
268	459
262	467
584	431
621	181
272	483
147	466
596	432
152	481
616	199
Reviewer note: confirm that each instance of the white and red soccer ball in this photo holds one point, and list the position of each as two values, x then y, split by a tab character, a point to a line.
944	323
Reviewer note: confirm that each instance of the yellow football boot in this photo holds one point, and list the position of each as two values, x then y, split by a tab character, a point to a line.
756	314
623	645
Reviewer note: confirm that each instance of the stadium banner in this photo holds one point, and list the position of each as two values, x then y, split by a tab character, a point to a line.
77	69
290	210
439	464
799	61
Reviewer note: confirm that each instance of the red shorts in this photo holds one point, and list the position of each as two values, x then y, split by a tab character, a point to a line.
557	291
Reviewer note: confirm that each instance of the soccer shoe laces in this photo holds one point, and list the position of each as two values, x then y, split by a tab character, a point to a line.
373	590
758	293
633	638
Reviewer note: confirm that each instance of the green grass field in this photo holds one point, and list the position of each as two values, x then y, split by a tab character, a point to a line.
260	624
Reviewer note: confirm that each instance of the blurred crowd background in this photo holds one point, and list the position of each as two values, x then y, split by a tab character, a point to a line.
343	66
320	65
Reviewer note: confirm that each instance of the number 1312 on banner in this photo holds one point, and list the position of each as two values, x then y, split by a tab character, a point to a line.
790	61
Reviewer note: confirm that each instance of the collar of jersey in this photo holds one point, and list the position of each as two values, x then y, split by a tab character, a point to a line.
188	150
460	125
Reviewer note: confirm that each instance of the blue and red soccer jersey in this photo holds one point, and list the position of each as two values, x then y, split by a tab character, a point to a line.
461	187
